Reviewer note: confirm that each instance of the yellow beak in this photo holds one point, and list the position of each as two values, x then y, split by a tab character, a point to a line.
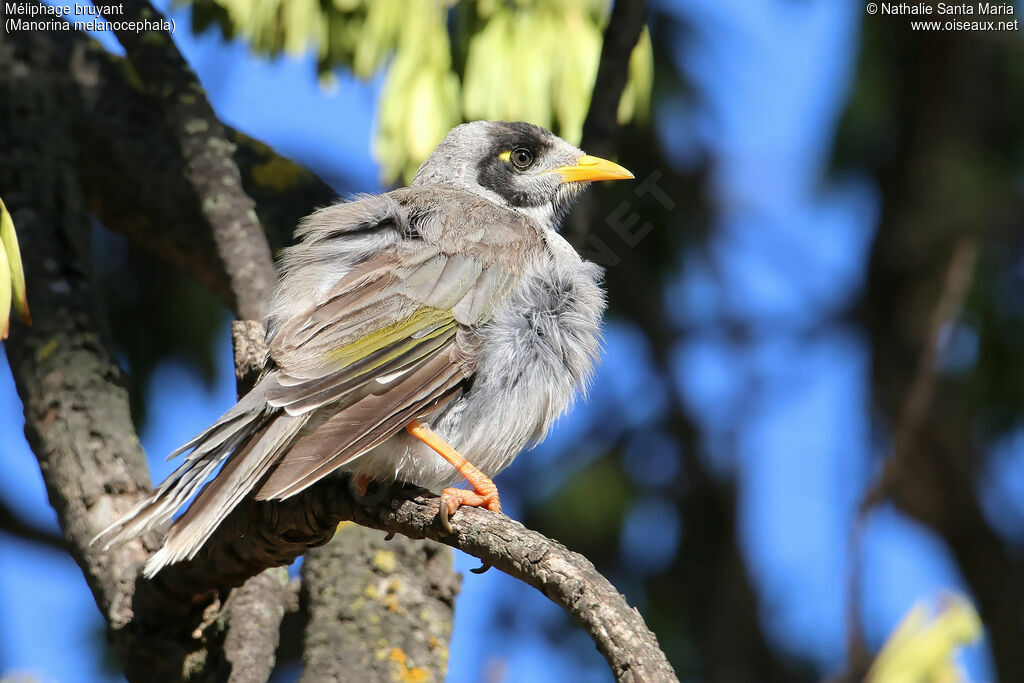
588	169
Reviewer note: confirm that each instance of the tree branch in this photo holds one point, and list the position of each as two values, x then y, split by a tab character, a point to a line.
265	534
12	523
917	404
77	419
252	618
601	127
206	152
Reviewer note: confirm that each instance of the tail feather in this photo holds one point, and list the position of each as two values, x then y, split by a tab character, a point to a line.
208	450
240	474
249	406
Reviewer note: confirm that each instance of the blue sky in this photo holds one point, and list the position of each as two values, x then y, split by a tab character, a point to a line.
789	245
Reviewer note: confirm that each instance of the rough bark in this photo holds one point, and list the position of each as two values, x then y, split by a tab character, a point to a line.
383	609
261	534
252	618
207	153
77	419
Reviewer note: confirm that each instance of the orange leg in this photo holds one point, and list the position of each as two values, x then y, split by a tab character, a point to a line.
484	493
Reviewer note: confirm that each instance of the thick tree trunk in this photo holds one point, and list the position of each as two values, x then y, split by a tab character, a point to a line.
76	411
382	608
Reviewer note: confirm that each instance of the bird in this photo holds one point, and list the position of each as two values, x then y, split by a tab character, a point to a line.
425	336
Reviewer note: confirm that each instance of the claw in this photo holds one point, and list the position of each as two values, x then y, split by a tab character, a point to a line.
452	499
444	514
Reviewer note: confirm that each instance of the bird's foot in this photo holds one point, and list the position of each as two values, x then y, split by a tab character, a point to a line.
484	493
452	499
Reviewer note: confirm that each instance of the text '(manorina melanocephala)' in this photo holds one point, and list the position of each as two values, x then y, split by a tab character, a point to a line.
425	335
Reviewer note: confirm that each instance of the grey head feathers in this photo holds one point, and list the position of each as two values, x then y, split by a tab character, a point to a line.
510	164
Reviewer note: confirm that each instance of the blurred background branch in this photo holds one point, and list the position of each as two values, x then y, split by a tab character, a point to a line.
928	282
12	523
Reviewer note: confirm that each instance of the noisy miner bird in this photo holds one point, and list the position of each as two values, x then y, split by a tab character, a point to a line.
424	335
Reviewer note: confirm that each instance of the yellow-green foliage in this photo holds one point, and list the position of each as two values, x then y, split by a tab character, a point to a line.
12	277
922	649
446	61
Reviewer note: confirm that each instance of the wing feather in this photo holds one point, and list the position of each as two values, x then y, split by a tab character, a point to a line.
363	425
301	398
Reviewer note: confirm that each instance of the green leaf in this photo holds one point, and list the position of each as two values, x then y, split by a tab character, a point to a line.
5	296
923	646
529	60
12	272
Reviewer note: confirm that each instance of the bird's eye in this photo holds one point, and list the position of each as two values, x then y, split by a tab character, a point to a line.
522	158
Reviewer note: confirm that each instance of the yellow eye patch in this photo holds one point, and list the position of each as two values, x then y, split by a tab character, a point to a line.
506	155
